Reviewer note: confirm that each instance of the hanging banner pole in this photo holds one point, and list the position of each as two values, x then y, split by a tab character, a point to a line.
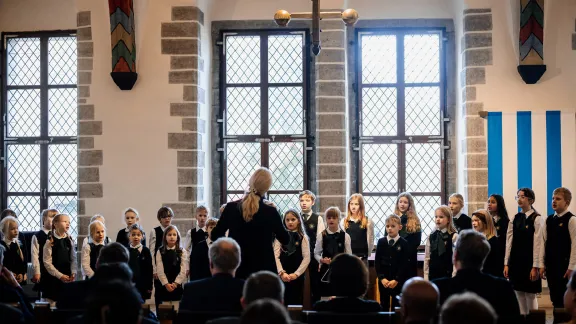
123	40
531	67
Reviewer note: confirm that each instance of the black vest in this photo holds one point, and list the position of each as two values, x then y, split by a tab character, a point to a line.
13	261
558	242
94	253
333	244
159	238
463	222
311	226
358	239
171	262
523	243
440	265
41	237
291	254
61	258
198	236
134	263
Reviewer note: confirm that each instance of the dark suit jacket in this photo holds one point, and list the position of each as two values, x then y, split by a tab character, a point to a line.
496	291
347	305
220	293
73	295
255	238
9	294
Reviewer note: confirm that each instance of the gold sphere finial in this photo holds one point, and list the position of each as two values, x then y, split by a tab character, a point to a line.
282	18
350	17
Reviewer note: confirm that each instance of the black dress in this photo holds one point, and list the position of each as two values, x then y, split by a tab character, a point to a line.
141	265
440	255
494	264
14	259
62	261
520	262
291	258
414	239
255	238
501	230
199	261
171	260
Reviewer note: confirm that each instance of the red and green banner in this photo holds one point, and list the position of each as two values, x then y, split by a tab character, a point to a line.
531	67
123	39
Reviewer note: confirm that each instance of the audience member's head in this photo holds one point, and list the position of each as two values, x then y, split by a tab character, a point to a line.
224	256
260	285
467	308
2	250
265	311
8	212
419	301
114	302
348	276
471	250
113	253
569	295
111	271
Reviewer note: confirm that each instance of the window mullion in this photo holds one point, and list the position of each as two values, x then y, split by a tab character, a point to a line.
43	121
265	129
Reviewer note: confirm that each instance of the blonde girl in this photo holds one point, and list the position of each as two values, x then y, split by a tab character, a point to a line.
59	257
411	230
456	204
91	251
293	259
96	217
359	227
38	241
440	245
483	222
13	253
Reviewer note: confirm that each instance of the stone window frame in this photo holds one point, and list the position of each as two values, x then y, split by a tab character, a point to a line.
44	140
450	166
217	159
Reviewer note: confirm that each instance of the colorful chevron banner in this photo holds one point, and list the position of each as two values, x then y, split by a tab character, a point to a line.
531	40
123	38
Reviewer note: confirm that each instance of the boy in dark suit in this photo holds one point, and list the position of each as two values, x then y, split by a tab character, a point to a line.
314	225
390	263
558	251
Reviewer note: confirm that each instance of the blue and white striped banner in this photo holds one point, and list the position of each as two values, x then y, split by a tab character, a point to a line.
531	149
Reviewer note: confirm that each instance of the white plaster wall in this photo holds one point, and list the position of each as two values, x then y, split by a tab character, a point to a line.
37	15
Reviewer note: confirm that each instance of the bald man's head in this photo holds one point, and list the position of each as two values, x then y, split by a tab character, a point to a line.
419	300
224	255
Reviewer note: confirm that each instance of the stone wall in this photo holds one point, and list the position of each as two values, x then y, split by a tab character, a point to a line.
476	55
90	158
181	40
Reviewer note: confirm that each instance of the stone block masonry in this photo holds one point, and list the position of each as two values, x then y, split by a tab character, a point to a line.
476	55
180	39
90	158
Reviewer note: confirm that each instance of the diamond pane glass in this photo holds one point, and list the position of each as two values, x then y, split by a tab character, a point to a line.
234	197
62	60
379	168
285	201
62	112
23	168
23	61
287	165
422	58
423	167
379	59
285	63
23	115
62	164
423	111
242	59
28	210
379	112
286	110
243	111
241	160
66	205
378	208
425	208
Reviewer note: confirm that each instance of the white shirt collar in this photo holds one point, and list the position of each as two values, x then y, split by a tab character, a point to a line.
170	248
8	242
139	246
127	229
200	228
102	243
530	212
457	215
444	230
58	236
562	213
388	238
330	232
45	231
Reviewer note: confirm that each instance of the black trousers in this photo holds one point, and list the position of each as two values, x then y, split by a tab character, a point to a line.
388	299
557	285
314	280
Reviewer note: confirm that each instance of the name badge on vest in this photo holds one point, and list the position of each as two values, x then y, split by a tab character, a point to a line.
526	226
311	226
339	245
561	224
297	243
497	228
399	248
